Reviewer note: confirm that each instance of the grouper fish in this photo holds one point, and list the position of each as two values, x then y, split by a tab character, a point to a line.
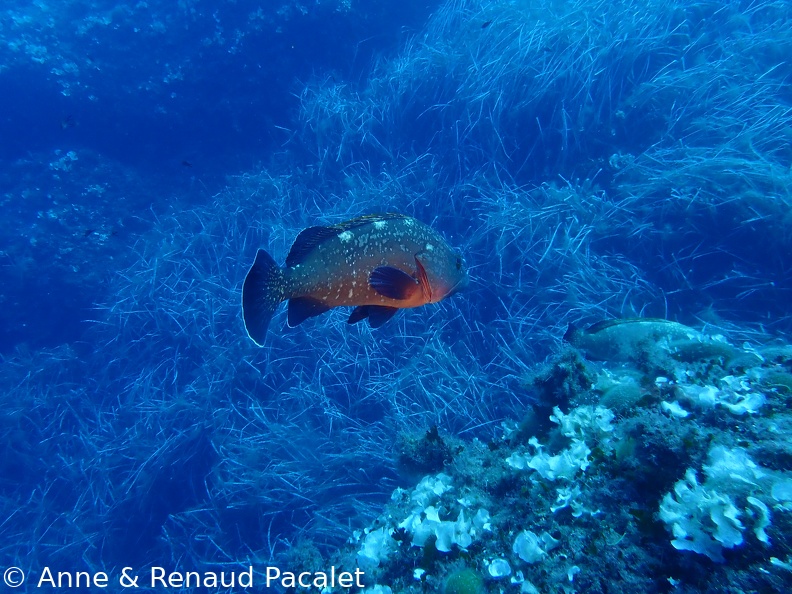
633	339
378	263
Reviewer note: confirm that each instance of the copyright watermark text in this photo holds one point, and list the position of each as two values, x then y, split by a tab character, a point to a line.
160	577
13	577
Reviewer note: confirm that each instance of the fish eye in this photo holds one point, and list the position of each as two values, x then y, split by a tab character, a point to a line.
459	263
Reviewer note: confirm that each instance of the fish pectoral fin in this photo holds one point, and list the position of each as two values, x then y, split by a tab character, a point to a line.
377	314
392	283
302	308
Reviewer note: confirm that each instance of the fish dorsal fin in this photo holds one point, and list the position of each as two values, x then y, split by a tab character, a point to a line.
392	283
306	242
366	219
605	324
309	239
423	280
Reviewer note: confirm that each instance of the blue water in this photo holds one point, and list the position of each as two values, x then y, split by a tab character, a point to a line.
591	161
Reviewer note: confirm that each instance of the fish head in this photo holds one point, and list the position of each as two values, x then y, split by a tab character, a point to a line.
445	272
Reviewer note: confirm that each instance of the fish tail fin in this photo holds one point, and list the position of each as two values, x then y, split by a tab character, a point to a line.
572	334
263	290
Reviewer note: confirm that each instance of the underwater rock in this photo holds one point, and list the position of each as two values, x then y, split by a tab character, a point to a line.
558	382
619	392
421	454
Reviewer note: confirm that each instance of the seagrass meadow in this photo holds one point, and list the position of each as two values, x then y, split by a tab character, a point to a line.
605	408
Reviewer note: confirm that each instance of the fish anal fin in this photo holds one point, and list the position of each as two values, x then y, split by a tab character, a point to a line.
302	308
377	314
392	283
358	314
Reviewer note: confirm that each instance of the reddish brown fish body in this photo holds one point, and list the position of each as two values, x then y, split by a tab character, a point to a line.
377	263
338	272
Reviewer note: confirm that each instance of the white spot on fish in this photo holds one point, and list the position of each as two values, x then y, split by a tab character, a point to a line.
350	294
379	225
429	247
346	236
